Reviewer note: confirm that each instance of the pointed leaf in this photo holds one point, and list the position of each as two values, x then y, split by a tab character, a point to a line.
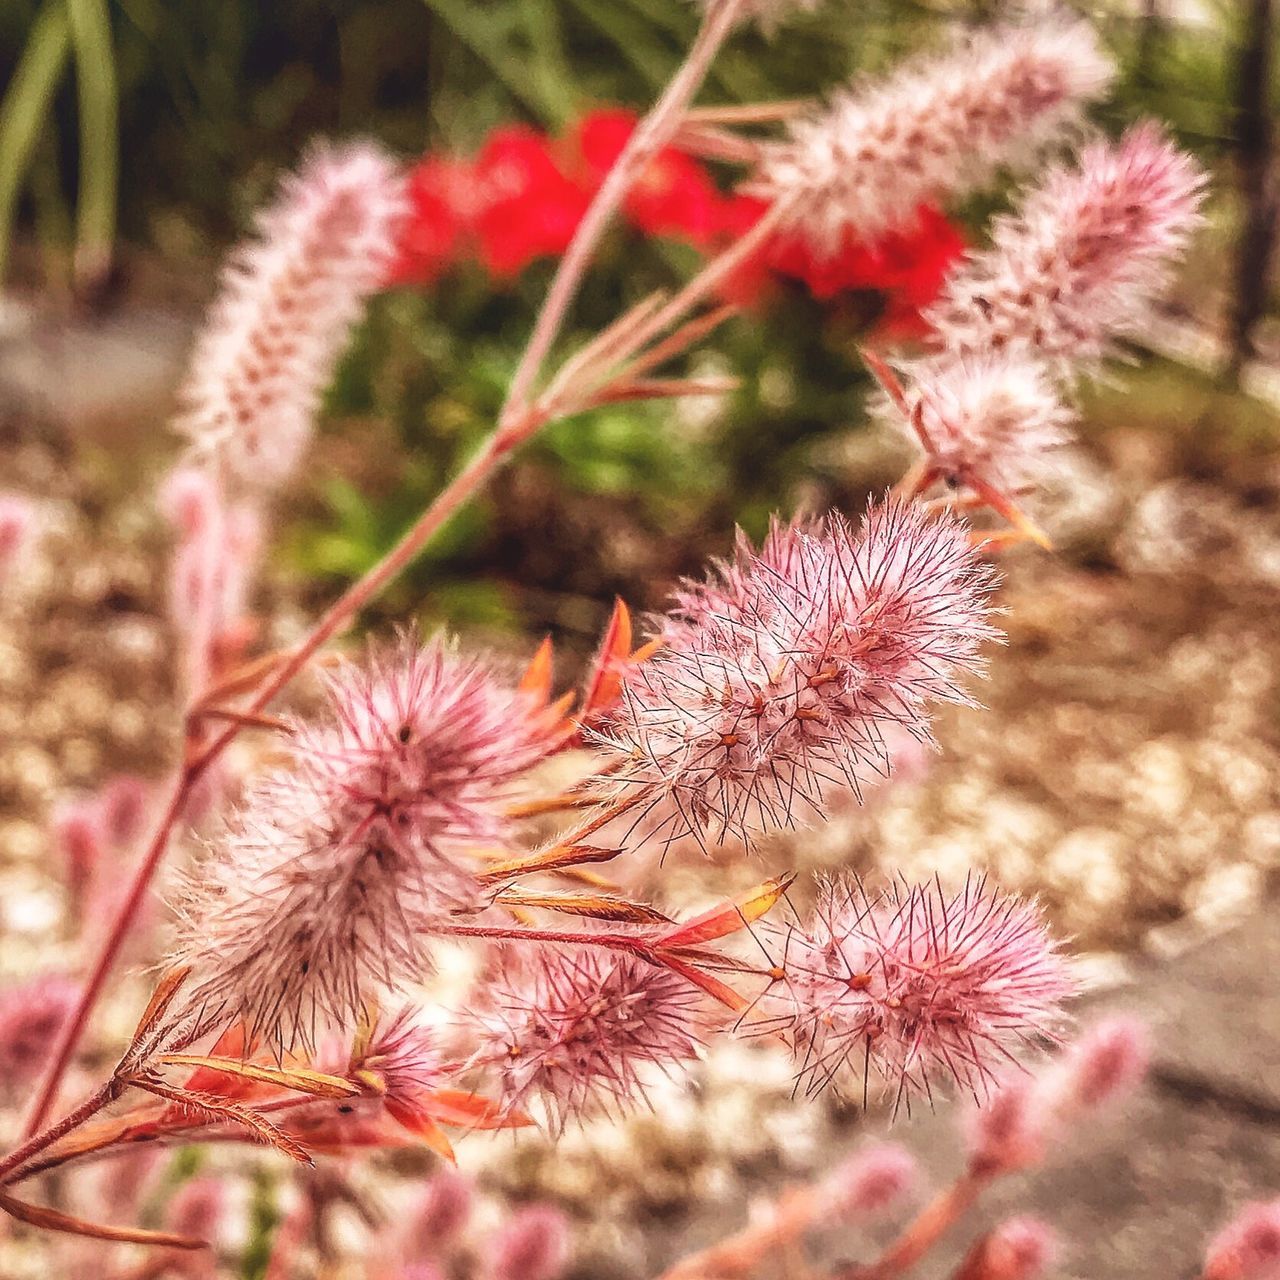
161	998
595	906
536	681
471	1110
720	991
35	1215
550	859
728	917
421	1125
304	1080
222	1110
615	648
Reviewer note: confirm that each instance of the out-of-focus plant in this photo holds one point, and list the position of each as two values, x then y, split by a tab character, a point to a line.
430	796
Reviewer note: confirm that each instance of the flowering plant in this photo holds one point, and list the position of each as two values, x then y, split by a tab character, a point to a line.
432	798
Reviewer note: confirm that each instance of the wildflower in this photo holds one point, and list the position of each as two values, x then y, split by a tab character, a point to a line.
1018	1122
1248	1247
17	529
338	864
1078	263
402	1065
533	1244
781	674
31	1015
527	206
122	804
580	1030
287	305
80	839
1018	1249
940	126
914	983
439	1215
673	196
994	419
441	192
870	1181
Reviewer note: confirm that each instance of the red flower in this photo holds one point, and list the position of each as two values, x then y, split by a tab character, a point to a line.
527	206
673	197
441	193
753	280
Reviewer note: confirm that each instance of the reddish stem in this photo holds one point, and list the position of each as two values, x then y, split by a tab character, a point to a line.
72	1120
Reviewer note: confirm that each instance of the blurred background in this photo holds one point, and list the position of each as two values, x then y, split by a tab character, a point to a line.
1128	767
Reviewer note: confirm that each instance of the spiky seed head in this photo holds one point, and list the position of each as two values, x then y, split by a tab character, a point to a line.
1079	262
288	301
939	126
914	984
780	676
328	880
582	1031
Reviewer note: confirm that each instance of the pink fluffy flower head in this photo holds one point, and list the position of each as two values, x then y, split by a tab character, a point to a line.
533	1244
915	983
1248	1247
581	1031
31	1015
1019	1248
332	874
1079	261
870	1181
781	675
939	126
994	418
288	302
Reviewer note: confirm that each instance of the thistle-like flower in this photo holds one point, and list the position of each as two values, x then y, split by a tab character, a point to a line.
533	1244
31	1015
330	877
581	1031
994	419
286	308
1079	262
781	674
913	983
1248	1247
939	126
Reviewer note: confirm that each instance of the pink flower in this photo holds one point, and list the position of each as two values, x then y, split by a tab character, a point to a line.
1248	1247
1079	261
533	1244
288	303
31	1015
579	1031
938	127
992	418
1018	1249
781	674
870	1181
439	1215
1109	1060
330	878
915	984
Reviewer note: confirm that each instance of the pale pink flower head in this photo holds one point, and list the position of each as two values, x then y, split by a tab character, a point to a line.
197	1208
581	1031
939	126
80	838
18	525
1106	1062
995	418
288	303
870	1181
332	875
122	804
1012	1129
781	676
1079	262
1021	1248
189	499
31	1015
916	984
439	1215
1248	1247
533	1244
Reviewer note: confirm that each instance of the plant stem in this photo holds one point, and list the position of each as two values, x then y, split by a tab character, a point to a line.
649	137
72	1120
